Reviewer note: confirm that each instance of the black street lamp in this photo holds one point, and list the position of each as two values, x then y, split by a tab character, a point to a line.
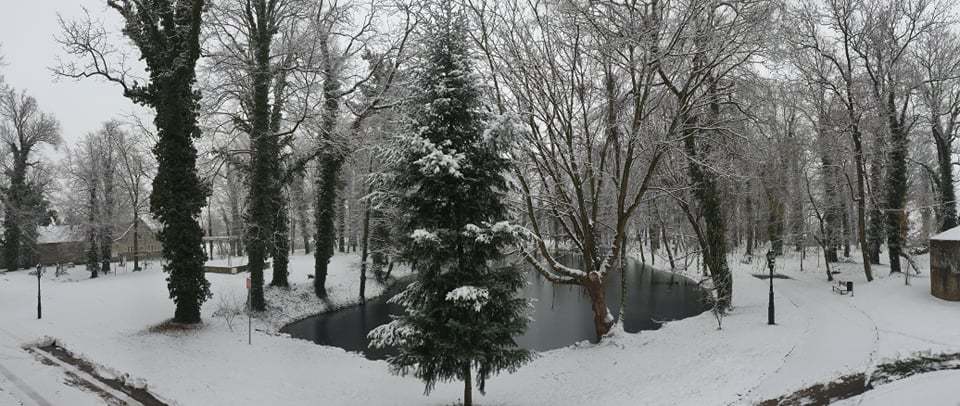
771	261
39	272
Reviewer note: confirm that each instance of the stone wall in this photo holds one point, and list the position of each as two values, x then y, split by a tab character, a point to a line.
945	269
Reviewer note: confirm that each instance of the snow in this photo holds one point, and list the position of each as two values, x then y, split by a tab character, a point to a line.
932	389
435	160
819	336
422	236
469	295
952	234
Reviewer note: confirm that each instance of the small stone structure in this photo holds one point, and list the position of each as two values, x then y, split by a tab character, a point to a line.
945	265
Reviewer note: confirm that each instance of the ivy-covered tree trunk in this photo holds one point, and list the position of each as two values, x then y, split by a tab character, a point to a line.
167	34
325	212
328	172
281	248
896	186
947	198
876	230
707	193
265	194
178	196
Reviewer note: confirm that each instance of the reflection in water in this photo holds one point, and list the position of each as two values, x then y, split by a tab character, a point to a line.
561	313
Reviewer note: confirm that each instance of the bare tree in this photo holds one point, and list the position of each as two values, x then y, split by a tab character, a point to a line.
134	169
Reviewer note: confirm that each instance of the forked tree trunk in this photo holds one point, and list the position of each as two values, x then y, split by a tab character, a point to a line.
602	321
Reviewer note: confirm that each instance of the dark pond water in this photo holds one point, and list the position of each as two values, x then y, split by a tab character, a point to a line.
561	314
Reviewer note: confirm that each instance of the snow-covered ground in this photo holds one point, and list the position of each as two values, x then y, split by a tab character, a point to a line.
820	335
933	389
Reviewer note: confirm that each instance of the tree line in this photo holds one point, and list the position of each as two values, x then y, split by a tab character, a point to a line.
678	131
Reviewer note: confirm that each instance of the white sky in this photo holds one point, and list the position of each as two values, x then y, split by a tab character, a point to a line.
27	29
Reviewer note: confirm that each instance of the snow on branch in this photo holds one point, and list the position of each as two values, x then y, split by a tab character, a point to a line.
421	237
393	334
469	295
435	159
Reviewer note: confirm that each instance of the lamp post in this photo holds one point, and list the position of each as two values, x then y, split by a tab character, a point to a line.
771	261
39	309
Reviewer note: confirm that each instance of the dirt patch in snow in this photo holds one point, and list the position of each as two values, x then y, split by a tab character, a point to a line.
851	385
134	388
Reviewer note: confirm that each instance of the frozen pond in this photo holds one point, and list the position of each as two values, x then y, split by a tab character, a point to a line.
561	314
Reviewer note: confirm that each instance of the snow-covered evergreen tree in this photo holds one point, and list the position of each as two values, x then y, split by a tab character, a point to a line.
462	312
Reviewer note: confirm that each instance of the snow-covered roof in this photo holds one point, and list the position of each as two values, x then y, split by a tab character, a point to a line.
53	234
147	221
151	222
952	234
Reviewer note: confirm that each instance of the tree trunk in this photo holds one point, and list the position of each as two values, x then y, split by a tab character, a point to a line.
707	193
281	248
947	198
467	387
136	242
774	221
325	213
896	186
861	203
749	222
602	320
106	231
364	242
847	231
177	198
342	225
875	229
327	172
12	221
666	247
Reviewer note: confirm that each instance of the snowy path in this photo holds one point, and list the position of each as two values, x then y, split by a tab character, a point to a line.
837	338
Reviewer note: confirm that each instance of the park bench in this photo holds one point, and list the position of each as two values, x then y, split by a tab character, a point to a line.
844	287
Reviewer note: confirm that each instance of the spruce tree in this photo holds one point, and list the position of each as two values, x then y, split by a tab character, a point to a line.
462	311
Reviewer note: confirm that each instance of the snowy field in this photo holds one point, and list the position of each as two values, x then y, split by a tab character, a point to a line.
820	335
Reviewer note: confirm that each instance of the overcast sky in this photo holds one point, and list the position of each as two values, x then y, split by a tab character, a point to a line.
27	29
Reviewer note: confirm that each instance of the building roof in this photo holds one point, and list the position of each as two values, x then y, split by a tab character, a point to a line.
54	234
952	234
146	221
